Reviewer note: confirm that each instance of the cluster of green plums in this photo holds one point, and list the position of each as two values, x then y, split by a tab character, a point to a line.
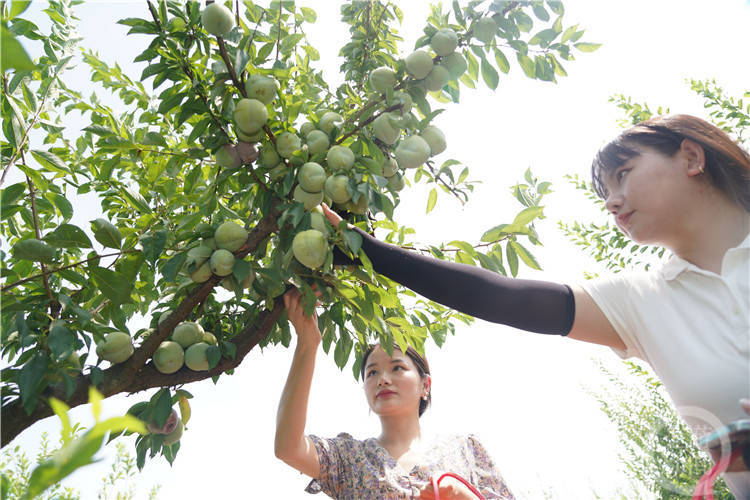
187	346
326	175
215	255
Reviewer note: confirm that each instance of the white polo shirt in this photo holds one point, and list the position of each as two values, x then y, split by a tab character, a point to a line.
693	327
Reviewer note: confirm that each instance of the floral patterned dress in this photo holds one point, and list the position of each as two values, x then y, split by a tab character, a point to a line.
354	469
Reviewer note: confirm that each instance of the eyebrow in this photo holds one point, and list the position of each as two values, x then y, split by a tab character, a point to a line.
396	360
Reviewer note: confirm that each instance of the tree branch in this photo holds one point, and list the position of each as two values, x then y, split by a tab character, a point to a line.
125	377
438	177
54	306
367	122
230	68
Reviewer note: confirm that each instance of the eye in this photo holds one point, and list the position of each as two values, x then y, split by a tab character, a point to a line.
369	373
398	367
621	174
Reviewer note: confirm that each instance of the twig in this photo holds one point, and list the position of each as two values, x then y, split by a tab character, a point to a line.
53	271
186	69
19	147
446	250
159	152
230	68
38	234
367	122
438	177
361	81
154	15
278	34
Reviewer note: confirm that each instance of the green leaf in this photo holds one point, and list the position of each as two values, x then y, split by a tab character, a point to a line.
173	266
568	33
153	245
512	259
213	355
527	215
525	256
51	161
489	75
353	240
161	404
61	410
12	53
106	233
68	236
61	341
99	130
343	349
29	379
502	61
62	204
431	200
18	7
527	64
95	399
115	286
136	200
540	12
587	46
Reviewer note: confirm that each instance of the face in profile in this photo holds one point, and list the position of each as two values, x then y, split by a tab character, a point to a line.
393	385
646	195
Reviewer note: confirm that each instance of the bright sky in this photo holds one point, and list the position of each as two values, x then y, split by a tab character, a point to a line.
523	395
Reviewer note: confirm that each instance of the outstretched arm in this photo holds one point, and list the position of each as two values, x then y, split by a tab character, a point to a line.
531	305
291	445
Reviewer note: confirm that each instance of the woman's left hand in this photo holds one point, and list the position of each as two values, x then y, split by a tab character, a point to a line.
449	489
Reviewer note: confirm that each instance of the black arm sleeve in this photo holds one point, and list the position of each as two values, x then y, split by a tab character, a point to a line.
535	306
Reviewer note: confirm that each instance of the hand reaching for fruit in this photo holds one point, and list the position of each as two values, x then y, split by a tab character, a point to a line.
332	216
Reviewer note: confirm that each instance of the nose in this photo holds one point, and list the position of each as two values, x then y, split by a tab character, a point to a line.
613	203
384	379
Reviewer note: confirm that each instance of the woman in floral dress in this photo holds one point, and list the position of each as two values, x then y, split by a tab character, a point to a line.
398	464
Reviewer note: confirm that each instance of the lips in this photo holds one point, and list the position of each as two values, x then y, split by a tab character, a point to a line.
623	219
384	394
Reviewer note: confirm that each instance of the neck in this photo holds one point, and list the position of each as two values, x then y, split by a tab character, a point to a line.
398	431
711	230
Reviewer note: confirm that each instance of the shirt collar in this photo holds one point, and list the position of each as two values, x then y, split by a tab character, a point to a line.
675	265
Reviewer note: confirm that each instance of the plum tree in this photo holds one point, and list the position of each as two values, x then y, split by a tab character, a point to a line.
174	223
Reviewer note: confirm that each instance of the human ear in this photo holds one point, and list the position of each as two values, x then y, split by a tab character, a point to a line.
427	383
695	156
